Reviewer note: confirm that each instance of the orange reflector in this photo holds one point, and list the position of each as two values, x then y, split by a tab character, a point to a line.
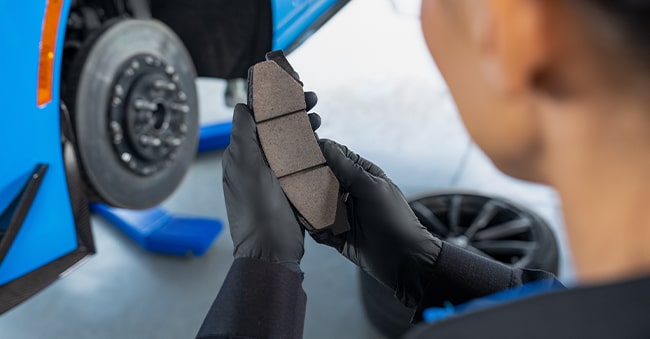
47	49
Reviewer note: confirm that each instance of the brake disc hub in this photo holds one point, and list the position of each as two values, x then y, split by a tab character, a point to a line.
147	114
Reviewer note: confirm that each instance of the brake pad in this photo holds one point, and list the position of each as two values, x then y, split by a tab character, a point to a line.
276	97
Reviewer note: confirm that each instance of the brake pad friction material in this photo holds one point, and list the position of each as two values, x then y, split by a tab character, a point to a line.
314	194
278	103
288	143
275	92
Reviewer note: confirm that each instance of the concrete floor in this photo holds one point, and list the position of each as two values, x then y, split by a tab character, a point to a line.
381	95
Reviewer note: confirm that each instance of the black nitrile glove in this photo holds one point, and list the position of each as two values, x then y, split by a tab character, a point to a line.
386	240
262	222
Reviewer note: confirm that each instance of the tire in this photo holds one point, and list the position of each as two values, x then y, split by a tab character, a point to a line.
384	311
507	232
133	99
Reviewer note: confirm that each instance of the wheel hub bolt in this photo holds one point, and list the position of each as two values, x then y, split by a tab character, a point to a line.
174	142
164	85
126	157
144	104
115	127
144	140
117	138
180	108
119	90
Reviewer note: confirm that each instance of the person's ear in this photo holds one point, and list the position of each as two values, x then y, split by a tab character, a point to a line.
511	34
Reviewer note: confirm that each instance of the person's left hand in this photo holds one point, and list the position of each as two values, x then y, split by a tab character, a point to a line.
262	222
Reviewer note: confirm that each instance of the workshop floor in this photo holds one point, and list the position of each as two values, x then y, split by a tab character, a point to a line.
381	95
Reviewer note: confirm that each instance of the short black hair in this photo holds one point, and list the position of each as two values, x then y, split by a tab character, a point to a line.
631	19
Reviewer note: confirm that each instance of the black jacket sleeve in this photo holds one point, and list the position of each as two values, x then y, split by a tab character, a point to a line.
460	276
258	299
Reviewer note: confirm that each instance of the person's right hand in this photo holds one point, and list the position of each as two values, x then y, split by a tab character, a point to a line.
386	240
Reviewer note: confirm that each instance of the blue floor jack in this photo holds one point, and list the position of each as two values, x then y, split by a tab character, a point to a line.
158	230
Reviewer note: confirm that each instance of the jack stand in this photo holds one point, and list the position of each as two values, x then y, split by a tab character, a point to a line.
214	136
159	231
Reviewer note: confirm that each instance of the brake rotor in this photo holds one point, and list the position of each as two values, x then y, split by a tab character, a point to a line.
133	97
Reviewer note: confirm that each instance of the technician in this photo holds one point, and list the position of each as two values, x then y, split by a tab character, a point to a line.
554	91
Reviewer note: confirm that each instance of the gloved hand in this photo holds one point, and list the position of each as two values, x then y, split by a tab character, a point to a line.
386	240
262	222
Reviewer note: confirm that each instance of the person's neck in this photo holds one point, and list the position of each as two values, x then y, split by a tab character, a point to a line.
603	177
608	224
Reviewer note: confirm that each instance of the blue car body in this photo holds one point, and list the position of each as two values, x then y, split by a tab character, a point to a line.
30	134
295	20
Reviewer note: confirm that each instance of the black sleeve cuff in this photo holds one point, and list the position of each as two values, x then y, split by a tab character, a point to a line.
459	276
258	299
